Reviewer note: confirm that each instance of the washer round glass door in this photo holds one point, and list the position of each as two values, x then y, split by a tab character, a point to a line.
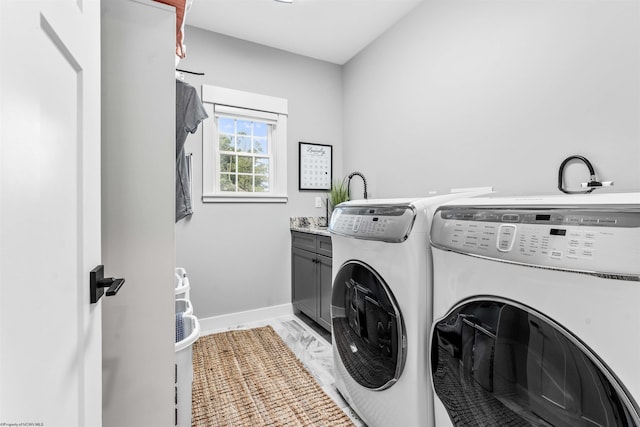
497	362
368	329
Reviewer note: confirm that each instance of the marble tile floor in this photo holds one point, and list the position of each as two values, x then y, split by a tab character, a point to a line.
313	350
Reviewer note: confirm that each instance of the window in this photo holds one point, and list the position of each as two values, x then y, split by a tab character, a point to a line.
244	147
244	153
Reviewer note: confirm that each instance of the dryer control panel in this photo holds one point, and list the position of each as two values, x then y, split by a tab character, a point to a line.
587	240
385	223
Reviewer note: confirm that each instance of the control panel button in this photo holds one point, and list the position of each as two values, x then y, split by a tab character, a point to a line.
555	254
356	224
506	237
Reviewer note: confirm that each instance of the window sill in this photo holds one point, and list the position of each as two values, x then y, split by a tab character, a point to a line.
228	198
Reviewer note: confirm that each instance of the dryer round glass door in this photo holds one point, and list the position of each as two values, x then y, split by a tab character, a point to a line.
367	326
497	362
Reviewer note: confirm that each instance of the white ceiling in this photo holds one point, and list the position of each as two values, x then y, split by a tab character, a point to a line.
329	30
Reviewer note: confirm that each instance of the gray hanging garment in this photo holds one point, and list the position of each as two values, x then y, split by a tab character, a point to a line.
189	113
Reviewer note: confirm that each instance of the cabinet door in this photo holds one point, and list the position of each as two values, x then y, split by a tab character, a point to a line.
303	240
324	287
304	294
324	246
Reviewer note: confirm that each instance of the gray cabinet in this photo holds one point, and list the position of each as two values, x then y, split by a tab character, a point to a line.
311	276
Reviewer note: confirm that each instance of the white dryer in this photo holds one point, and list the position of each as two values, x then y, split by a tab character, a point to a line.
381	308
536	308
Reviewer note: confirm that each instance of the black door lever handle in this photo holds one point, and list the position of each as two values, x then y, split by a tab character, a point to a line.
97	283
114	285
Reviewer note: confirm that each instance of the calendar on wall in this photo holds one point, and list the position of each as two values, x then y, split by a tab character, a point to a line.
315	166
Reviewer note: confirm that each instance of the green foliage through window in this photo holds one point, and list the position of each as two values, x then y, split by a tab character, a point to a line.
245	158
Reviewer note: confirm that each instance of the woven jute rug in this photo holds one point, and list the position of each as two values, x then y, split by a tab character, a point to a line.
251	378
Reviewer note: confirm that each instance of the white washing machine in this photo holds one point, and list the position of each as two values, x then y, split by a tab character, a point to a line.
536	308
381	308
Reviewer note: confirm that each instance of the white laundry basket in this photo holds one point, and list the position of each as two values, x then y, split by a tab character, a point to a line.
181	271
184	366
182	285
183	306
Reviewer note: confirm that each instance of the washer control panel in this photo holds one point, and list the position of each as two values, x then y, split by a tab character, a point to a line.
575	239
384	223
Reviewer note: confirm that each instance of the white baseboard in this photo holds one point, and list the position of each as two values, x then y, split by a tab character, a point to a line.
209	325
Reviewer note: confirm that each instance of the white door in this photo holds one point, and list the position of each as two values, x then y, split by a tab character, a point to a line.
50	335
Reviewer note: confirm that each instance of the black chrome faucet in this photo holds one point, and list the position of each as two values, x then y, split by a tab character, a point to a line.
349	184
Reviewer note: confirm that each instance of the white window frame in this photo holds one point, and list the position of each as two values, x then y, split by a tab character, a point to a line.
263	107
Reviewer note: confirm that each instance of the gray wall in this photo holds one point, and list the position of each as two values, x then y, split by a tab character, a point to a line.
465	93
237	255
